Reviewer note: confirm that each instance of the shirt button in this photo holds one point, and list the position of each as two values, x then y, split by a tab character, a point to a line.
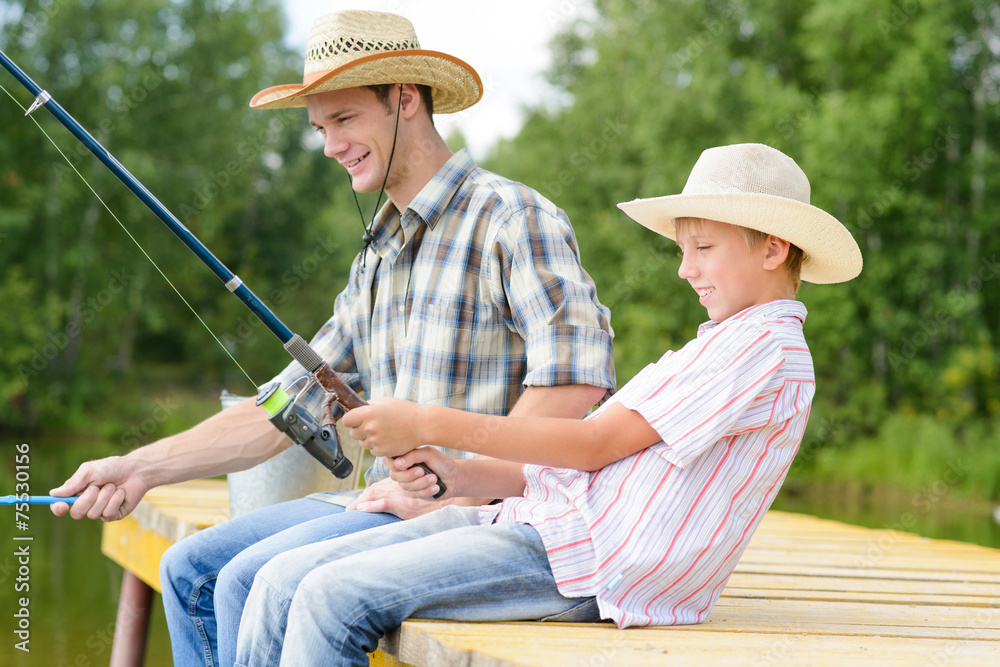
402	308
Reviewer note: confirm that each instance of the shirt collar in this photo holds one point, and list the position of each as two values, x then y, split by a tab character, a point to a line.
772	310
433	199
427	206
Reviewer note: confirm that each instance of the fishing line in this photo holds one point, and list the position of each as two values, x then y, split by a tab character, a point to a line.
299	424
134	240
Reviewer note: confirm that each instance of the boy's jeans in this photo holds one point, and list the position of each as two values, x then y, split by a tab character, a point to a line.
206	577
329	603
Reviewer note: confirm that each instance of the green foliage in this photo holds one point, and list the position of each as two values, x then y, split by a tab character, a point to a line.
163	85
891	109
918	453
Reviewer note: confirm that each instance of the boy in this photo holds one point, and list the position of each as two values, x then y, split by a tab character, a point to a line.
638	513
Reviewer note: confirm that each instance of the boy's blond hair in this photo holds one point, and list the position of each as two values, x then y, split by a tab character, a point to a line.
753	239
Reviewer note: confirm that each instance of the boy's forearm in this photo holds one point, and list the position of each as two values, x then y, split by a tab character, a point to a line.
564	402
567	443
488	478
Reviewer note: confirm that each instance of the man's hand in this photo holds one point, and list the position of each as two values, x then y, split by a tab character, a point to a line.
109	490
387	496
386	426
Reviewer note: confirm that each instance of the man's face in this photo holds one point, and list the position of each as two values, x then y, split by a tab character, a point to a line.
726	275
357	131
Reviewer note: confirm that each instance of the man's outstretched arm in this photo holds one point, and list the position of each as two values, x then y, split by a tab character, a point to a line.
235	439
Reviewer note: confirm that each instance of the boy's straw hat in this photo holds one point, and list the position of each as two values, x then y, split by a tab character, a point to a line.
756	186
362	48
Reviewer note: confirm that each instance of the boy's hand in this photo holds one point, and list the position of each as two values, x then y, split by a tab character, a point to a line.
386	426
414	480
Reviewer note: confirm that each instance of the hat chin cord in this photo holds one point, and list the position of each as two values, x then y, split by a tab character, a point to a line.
367	237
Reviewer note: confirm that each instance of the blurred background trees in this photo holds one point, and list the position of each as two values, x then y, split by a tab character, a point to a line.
890	107
164	86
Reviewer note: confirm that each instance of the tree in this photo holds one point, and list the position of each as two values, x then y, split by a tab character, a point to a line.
889	106
164	86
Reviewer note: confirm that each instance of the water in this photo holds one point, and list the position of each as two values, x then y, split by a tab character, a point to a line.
931	512
70	588
73	589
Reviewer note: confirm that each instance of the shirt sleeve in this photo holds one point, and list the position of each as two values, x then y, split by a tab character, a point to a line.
720	387
544	294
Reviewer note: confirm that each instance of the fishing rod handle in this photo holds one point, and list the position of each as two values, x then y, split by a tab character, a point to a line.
325	376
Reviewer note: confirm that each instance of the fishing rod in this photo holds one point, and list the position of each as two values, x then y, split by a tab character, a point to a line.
287	415
37	500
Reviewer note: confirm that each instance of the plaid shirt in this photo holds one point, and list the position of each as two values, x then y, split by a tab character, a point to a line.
473	293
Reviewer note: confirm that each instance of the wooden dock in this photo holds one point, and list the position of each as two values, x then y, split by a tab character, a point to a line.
806	592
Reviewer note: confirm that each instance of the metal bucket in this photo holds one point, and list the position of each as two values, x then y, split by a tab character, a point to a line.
290	475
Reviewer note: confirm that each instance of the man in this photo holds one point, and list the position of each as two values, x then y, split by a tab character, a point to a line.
467	294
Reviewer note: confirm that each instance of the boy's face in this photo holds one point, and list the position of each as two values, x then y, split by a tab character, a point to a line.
727	276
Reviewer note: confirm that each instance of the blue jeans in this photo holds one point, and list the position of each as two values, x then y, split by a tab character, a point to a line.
329	603
206	577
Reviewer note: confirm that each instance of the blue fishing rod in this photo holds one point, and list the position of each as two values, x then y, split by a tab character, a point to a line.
287	415
37	500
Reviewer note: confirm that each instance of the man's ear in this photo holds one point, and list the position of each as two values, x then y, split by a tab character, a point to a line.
776	252
410	103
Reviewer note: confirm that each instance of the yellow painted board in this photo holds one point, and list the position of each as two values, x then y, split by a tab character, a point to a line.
137	550
382	659
165	514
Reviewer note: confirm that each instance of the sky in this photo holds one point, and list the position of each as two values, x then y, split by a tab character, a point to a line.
506	42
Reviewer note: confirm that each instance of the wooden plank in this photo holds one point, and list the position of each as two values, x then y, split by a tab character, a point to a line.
759	560
137	550
784	568
854	618
531	644
902	587
178	510
165	515
871	550
857	596
807	591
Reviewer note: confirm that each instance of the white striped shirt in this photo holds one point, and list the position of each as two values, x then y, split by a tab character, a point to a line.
655	536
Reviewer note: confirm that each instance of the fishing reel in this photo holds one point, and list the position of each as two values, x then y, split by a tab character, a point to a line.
304	428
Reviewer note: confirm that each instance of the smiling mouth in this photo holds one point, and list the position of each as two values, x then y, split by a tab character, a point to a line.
354	163
704	291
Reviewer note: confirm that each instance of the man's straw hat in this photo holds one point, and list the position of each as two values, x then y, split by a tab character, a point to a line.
362	48
756	186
